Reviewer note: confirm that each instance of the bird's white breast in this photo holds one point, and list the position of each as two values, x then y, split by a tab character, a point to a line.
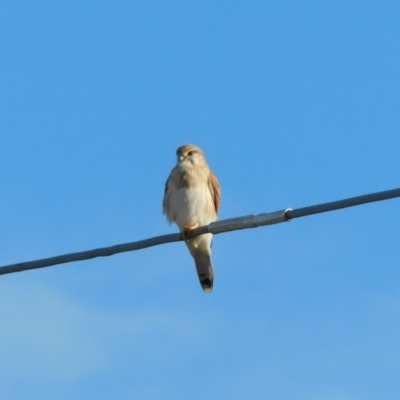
188	206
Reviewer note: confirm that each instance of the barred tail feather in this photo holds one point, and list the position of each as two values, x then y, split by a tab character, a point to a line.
204	270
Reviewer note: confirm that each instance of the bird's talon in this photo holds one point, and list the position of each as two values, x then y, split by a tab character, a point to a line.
187	229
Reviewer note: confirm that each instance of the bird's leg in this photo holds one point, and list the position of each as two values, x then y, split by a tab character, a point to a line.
187	229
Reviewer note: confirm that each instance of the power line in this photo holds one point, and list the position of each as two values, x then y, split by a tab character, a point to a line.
250	221
351	202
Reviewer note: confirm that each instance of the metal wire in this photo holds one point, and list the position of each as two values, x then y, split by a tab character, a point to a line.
336	205
250	221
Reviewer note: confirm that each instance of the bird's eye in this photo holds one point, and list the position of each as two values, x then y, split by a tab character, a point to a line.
190	153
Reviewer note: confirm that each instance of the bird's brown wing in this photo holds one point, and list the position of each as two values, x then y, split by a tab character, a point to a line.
215	191
165	202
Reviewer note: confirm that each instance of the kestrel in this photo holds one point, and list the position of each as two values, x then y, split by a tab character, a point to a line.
192	198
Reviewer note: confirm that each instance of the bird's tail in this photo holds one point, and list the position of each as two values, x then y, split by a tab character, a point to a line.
204	270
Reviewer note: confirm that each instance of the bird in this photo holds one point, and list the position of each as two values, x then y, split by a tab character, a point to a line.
192	199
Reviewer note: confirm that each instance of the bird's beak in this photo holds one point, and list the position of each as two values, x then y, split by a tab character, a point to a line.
181	158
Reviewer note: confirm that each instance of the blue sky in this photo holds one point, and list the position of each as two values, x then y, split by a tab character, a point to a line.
294	104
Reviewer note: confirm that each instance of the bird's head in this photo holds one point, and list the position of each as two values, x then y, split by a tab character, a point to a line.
190	154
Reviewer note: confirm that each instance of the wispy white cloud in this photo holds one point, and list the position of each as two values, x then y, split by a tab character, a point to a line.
46	335
42	334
